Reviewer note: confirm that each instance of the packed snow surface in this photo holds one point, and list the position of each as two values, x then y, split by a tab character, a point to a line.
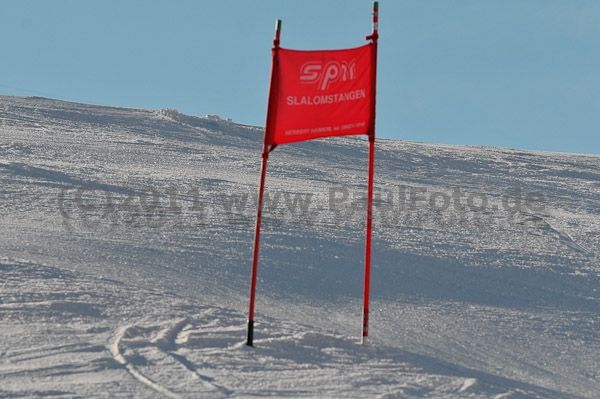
126	245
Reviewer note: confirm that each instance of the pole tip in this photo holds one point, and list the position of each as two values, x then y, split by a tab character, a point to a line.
278	25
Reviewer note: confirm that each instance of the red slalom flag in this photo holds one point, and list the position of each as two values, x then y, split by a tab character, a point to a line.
316	94
320	94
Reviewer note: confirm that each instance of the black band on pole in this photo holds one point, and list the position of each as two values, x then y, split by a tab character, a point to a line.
250	336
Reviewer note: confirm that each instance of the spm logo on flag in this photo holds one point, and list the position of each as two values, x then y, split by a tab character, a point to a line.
321	94
313	71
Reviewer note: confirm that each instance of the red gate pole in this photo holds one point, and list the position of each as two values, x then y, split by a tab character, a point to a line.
374	36
263	172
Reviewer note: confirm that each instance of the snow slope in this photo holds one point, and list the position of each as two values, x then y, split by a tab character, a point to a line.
125	259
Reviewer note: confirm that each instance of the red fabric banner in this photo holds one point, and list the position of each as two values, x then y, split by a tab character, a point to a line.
320	94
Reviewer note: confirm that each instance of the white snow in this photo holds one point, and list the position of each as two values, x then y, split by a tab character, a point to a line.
126	246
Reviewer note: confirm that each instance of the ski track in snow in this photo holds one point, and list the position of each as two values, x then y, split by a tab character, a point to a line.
165	342
114	348
105	292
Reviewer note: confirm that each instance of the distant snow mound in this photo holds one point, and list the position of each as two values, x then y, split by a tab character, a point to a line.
213	117
217	118
173	113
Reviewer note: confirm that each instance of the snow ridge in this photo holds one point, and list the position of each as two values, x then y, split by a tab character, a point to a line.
128	234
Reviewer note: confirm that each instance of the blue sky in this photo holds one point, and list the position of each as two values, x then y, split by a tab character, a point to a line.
519	74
